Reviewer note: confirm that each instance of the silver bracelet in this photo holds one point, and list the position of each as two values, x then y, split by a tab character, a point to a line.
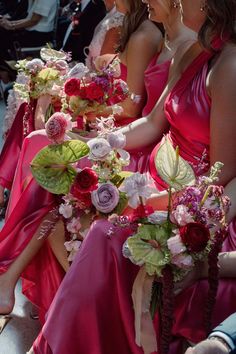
135	98
221	340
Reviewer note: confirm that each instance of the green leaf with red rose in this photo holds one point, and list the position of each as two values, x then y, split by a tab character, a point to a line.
52	166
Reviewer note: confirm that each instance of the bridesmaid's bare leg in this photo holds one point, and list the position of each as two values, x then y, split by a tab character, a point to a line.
9	279
56	241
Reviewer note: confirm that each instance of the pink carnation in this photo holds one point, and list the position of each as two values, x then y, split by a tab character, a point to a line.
181	215
57	125
182	260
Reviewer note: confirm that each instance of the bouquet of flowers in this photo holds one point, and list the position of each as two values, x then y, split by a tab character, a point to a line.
38	78
93	92
168	244
86	193
44	75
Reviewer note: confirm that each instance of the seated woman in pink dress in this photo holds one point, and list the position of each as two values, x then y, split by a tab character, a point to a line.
29	203
105	40
98	317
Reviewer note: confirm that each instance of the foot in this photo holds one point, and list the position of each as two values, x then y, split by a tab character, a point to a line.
7	296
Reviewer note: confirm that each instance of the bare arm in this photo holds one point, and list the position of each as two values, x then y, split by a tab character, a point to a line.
136	68
223	113
19	24
110	41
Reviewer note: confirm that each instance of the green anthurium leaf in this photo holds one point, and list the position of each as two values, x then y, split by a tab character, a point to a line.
52	169
55	180
143	253
120	177
172	168
48	54
123	202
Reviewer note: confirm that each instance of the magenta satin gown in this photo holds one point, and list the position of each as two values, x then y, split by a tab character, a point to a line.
27	207
92	311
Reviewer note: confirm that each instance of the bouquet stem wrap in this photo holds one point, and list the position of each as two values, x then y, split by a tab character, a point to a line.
145	335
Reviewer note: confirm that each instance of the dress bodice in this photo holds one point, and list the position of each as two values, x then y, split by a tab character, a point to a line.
187	108
123	72
155	79
112	20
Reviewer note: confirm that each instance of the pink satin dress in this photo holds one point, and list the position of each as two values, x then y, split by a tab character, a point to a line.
23	124
27	207
97	317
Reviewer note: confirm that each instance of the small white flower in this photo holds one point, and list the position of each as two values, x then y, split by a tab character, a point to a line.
74	225
66	210
72	247
78	71
158	217
137	186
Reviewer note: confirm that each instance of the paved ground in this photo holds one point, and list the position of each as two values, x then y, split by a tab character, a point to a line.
21	330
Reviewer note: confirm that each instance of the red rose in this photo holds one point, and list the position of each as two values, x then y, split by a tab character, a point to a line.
86	181
94	92
82	93
72	87
195	236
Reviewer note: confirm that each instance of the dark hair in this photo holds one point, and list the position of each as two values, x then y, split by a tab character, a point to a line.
220	21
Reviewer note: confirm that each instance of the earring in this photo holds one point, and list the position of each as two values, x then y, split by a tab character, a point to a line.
175	5
203	7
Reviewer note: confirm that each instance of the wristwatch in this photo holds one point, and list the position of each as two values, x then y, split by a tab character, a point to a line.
221	340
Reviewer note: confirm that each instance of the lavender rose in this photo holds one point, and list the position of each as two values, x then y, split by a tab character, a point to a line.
34	65
99	149
105	198
117	140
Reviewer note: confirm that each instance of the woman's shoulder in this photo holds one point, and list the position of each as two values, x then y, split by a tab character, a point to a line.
224	67
147	32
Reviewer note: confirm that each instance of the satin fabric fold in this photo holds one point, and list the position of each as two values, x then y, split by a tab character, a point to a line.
11	148
28	205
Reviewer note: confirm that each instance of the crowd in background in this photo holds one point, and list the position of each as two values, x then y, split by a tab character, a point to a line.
67	25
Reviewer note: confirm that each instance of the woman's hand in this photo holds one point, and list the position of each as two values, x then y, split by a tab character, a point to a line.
208	347
198	272
4	23
40	111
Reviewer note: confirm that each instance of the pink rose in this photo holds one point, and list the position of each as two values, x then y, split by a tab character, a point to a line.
57	125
